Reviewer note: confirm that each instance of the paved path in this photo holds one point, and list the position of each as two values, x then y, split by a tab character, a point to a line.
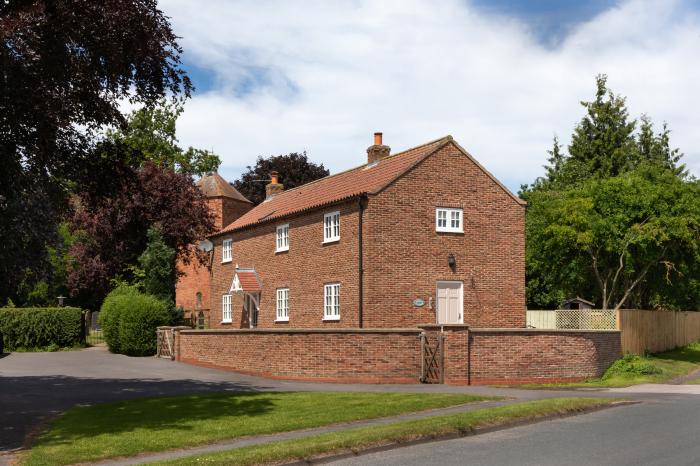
664	432
37	386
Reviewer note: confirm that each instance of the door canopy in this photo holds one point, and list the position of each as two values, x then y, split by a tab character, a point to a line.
245	281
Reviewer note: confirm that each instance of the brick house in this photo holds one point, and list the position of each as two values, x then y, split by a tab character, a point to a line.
408	268
423	236
227	204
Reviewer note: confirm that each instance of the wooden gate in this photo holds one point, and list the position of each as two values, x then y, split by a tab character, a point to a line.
166	342
432	358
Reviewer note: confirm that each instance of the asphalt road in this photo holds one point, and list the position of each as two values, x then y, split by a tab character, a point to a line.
665	431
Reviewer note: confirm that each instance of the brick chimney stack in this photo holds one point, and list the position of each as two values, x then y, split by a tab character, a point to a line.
377	151
274	187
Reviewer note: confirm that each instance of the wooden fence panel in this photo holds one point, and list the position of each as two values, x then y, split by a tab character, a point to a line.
656	331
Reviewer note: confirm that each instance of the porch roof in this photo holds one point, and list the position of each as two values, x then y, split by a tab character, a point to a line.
245	280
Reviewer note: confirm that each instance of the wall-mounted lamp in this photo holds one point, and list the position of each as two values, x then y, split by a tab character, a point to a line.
451	261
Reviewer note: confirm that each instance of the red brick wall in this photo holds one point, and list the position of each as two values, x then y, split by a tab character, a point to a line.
369	356
226	210
304	269
195	280
405	256
196	277
494	356
540	356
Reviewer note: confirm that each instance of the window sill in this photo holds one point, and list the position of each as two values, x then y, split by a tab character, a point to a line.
277	251
227	261
330	241
284	321
226	322
459	232
331	319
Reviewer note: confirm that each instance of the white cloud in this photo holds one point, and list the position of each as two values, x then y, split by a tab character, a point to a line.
329	74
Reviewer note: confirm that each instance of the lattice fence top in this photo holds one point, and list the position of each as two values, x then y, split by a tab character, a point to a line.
575	319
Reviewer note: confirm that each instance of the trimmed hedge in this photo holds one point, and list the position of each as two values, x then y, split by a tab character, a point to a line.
129	320
40	327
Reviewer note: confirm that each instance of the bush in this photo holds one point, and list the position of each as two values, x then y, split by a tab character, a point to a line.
40	327
631	366
110	312
129	320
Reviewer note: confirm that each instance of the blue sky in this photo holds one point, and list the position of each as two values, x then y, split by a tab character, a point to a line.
502	77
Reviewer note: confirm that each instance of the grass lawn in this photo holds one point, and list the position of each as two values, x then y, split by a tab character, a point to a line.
127	428
635	370
367	437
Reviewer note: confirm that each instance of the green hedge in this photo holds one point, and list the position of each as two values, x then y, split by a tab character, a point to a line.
40	327
129	320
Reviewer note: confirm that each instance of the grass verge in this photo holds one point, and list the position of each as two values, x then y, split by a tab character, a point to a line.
128	428
355	440
634	370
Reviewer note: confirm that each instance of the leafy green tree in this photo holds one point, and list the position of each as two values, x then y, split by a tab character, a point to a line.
619	229
294	169
158	264
65	69
605	147
150	133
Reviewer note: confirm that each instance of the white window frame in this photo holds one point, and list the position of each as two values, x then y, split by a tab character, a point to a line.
227	250
282	305
331	227
331	301
227	308
451	214
282	238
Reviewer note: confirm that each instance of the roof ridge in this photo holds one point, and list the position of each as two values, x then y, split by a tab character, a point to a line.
391	156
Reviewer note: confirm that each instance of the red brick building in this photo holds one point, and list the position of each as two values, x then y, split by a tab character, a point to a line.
409	267
192	291
420	237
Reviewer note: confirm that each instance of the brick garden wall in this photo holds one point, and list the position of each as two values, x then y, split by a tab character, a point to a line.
534	356
330	355
472	356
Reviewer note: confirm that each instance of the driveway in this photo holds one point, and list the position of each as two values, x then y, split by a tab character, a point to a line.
37	386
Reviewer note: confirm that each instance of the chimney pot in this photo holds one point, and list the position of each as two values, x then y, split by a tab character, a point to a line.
274	187
377	151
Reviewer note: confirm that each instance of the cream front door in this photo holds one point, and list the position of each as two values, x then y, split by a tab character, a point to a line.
449	303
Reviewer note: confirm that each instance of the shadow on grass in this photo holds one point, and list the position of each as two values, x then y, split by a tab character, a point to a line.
690	353
31	400
159	414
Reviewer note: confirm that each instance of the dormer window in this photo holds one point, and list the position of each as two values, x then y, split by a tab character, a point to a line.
331	227
227	250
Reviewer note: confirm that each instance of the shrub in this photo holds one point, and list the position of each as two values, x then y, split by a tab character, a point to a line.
40	327
129	320
110	312
630	366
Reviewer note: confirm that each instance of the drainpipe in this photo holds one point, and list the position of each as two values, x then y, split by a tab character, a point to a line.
362	205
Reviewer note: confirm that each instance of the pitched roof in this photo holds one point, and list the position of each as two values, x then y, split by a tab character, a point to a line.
365	179
213	185
245	280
